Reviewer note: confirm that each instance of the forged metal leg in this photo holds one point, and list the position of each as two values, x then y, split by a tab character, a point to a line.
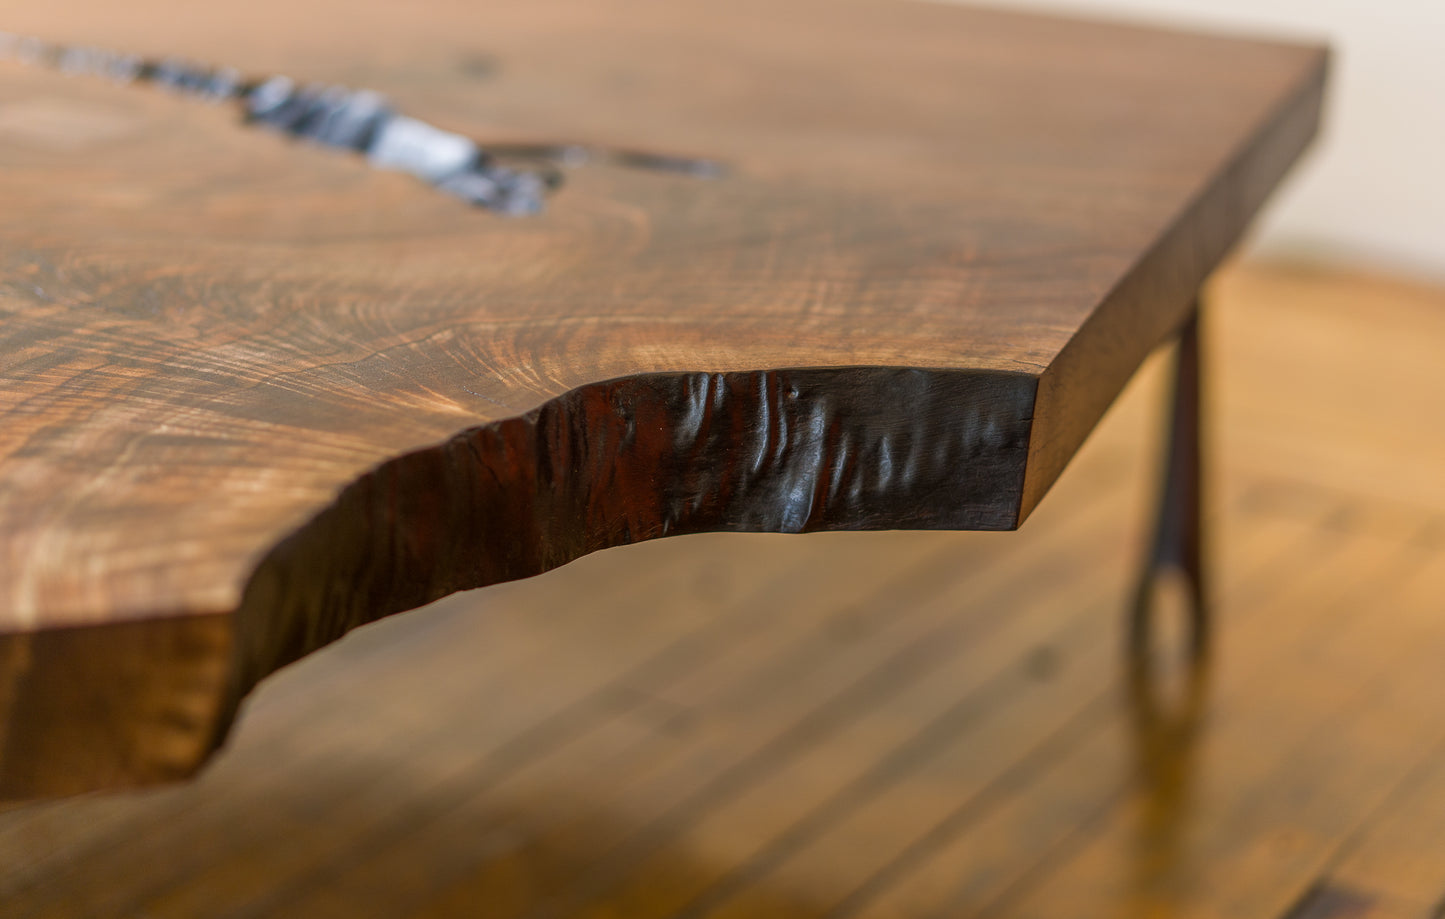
1178	537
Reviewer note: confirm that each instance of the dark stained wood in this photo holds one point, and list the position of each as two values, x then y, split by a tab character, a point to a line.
256	394
720	731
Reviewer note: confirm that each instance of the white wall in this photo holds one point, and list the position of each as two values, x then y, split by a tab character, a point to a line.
1373	191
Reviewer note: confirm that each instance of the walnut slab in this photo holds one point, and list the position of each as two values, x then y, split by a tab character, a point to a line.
255	394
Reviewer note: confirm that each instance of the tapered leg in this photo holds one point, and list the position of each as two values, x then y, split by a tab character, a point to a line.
1178	544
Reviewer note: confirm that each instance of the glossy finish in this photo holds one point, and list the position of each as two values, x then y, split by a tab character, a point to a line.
255	394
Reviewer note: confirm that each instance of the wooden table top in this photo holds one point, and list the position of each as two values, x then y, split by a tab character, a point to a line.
255	392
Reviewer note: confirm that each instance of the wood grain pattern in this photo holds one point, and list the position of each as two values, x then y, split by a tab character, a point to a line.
905	725
252	384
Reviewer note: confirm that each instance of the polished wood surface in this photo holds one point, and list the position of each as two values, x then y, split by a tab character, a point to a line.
890	726
255	393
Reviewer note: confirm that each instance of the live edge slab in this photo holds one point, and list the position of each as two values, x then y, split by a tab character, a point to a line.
255	393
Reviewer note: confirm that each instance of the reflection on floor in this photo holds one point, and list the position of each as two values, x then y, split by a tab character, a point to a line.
882	725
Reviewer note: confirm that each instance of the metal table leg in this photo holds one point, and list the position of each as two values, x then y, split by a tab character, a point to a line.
1178	537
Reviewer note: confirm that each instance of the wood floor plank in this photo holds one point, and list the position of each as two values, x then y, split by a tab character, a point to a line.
886	737
1308	355
753	831
284	726
969	856
1398	856
668	660
477	662
761	711
1289	767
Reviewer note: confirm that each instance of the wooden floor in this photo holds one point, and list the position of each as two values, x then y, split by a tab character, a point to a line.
882	725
